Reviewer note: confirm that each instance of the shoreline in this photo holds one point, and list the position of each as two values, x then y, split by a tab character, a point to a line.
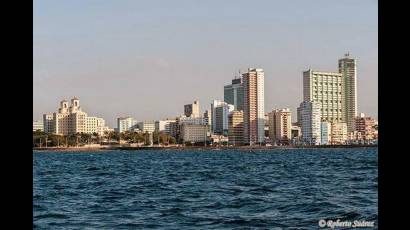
184	148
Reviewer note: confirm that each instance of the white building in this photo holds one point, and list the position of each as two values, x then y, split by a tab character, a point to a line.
146	126
326	131
310	119
163	126
325	88
71	120
125	124
220	111
254	106
38	125
48	123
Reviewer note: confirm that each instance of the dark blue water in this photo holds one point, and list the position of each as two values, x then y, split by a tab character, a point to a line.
204	189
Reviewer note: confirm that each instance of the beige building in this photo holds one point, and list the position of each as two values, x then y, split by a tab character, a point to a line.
235	127
253	106
280	126
71	120
192	110
194	133
339	133
325	88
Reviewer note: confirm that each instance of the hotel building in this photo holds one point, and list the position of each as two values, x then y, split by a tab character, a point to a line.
71	120
325	88
253	106
146	126
163	126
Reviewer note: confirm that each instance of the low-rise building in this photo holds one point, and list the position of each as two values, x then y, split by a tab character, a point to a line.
38	125
194	133
146	126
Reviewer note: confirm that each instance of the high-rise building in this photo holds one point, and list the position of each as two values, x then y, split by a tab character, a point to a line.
38	125
208	119
253	106
326	88
310	119
125	124
72	120
235	127
220	111
280	124
233	93
348	69
192	110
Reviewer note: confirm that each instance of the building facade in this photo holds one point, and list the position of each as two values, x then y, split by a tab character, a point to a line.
326	131
253	106
192	110
325	88
233	94
366	127
280	124
125	124
339	133
71	120
235	127
194	133
220	112
146	126
163	126
48	123
38	125
348	69
310	119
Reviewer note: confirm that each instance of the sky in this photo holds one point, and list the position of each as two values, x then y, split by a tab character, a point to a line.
146	59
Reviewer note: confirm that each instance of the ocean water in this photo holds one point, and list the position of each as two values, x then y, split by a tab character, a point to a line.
269	189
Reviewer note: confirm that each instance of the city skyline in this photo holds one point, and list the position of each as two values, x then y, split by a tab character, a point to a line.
115	75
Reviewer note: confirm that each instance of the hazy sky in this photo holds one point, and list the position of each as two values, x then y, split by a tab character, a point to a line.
147	59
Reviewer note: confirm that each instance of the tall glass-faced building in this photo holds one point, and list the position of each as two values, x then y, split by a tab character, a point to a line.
233	94
347	67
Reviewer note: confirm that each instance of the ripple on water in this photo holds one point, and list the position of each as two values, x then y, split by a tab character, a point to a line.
292	188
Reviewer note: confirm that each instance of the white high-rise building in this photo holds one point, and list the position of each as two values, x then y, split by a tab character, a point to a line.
325	88
71	120
311	122
125	124
254	106
220	111
348	69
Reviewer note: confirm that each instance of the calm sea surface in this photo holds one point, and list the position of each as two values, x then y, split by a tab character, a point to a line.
286	188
